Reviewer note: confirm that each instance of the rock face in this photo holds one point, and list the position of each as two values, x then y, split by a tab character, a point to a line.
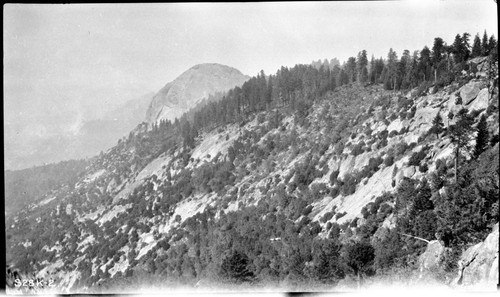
469	92
481	101
187	90
480	262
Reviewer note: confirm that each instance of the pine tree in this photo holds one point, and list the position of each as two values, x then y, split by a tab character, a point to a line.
482	137
350	69
424	64
485	49
460	135
437	125
492	44
460	50
437	55
361	64
476	47
392	69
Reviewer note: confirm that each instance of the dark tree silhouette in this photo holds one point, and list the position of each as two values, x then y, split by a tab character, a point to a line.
235	267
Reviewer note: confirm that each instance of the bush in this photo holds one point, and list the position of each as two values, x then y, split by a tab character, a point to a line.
333	177
416	158
389	160
382	143
349	184
334	192
357	149
423	168
393	133
326	217
374	163
413	110
307	210
340	214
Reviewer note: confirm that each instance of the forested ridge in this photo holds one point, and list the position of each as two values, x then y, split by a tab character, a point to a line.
272	206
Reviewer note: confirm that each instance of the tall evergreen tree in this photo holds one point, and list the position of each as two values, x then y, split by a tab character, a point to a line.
437	125
485	48
350	69
476	47
424	64
392	70
482	136
461	135
371	73
362	63
492	44
460	50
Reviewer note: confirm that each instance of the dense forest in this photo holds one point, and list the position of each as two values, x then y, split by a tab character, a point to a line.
273	240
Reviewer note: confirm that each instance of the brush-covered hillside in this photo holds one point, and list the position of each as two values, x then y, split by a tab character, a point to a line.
313	178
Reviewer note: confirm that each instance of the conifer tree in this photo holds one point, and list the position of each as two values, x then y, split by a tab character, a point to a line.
362	63
482	137
437	125
460	135
485	49
492	44
476	47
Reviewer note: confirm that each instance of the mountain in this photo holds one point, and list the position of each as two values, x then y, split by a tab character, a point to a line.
296	181
187	90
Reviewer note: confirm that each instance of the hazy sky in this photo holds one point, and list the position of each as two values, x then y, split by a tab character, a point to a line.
66	63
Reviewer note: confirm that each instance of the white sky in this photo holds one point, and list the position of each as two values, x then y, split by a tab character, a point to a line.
63	63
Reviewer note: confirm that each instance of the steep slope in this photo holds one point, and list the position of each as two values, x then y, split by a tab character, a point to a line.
281	191
187	90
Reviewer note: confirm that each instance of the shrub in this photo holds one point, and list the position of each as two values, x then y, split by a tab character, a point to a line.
423	168
307	210
374	163
368	131
340	214
413	110
357	149
339	148
333	177
334	192
383	134
348	184
416	158
393	133
382	143
389	160
326	217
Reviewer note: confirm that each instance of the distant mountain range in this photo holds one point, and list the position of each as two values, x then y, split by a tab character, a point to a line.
88	139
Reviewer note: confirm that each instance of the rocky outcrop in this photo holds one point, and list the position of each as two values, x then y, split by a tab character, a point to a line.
479	263
480	64
481	101
469	92
187	90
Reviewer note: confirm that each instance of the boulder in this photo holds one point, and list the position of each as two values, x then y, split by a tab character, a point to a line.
481	101
405	172
479	263
429	261
470	91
